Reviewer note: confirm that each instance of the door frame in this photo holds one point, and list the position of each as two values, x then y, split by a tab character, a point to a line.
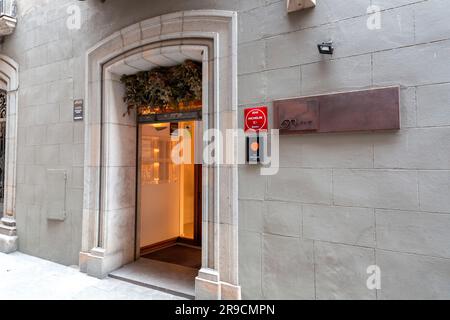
197	200
105	237
9	81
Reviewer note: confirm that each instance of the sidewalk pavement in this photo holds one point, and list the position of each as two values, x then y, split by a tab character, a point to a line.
26	277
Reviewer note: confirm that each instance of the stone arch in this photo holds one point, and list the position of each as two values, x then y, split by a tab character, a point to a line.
103	250
9	81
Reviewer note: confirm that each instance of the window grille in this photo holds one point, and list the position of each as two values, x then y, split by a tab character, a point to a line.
3	97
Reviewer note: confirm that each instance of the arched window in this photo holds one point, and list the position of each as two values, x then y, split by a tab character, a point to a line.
9	84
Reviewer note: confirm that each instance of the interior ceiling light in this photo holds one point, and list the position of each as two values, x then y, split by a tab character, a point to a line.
159	126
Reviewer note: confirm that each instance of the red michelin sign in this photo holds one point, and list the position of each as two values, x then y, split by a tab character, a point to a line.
255	119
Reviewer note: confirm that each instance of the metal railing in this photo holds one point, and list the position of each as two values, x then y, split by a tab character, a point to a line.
8	8
3	97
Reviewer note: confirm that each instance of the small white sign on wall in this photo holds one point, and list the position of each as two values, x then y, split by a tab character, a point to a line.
296	5
78	110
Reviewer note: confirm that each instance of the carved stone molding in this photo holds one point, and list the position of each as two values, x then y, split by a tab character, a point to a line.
9	71
7	25
8	13
108	206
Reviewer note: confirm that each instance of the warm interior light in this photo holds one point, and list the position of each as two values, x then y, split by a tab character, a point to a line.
156	171
254	146
159	126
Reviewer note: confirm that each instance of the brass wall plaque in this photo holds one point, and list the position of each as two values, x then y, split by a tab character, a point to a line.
366	110
304	117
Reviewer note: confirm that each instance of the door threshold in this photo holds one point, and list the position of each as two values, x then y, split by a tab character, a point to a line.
166	244
162	276
150	286
188	245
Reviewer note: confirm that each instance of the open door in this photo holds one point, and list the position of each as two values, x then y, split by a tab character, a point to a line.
195	237
170	195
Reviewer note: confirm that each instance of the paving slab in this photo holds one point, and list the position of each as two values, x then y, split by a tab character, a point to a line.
174	279
26	277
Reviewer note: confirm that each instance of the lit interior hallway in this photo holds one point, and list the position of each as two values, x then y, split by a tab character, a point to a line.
26	277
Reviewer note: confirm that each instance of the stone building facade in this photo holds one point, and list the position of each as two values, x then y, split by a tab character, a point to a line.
339	204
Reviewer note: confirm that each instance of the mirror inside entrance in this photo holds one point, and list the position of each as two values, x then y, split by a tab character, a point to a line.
169	207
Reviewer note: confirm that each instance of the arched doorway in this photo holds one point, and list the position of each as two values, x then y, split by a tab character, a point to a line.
8	150
110	170
167	241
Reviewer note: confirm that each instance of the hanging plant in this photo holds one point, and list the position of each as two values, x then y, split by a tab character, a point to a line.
163	89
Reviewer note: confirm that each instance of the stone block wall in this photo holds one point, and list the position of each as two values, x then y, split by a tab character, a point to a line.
343	202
